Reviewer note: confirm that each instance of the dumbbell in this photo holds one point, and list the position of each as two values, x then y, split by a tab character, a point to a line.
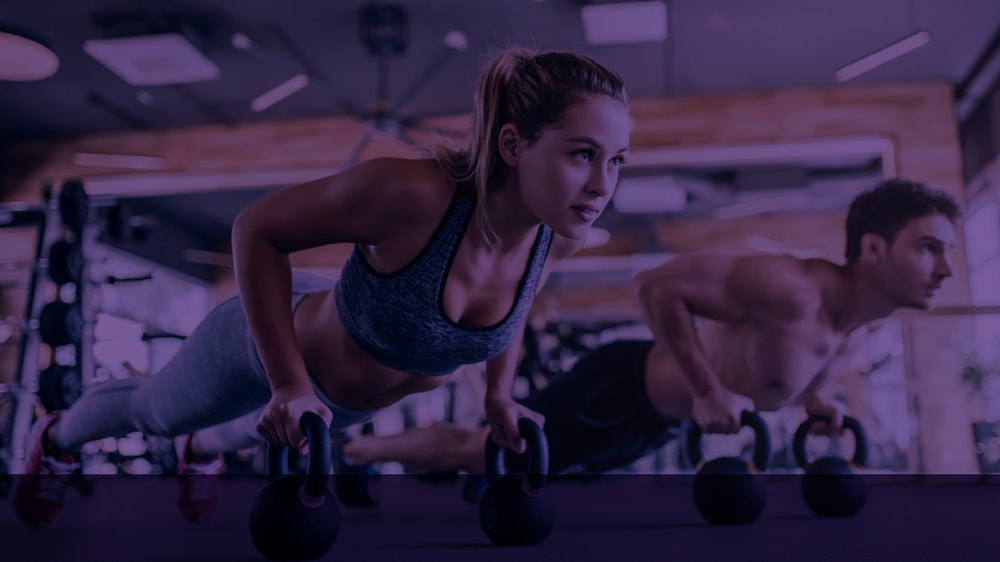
59	323
74	205
64	263
59	386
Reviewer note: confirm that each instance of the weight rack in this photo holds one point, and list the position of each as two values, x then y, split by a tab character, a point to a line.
62	217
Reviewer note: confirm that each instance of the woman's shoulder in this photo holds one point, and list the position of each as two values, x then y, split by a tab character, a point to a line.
420	188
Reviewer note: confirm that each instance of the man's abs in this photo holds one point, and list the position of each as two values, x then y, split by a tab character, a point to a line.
770	367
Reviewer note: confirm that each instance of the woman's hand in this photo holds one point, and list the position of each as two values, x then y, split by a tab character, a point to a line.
280	422
502	415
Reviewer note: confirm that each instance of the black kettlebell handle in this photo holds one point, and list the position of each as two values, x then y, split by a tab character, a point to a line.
762	440
537	450
851	424
320	456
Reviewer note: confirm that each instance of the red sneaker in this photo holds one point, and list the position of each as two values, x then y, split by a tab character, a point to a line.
198	497
40	490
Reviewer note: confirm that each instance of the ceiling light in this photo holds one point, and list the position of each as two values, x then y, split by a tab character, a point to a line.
153	60
456	40
624	22
241	41
279	92
882	56
24	58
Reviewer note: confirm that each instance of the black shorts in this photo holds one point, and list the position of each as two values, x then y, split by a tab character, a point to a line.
598	416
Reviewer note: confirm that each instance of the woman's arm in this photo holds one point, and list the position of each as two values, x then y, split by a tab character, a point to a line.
364	205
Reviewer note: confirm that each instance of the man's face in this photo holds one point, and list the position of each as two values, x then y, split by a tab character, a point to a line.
918	261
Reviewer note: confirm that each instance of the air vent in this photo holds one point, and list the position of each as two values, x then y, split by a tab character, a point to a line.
153	60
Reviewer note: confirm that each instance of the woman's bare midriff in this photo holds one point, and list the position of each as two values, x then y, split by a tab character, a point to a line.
348	375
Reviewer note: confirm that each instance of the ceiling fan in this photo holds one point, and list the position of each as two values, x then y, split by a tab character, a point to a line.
384	32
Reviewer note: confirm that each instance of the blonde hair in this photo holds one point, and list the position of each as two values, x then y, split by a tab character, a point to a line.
530	90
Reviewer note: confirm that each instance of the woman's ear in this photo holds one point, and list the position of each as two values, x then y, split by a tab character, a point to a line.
508	141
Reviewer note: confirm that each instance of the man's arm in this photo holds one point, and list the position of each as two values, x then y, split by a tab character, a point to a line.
817	397
768	289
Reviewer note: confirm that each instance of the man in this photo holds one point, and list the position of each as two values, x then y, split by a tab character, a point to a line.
770	330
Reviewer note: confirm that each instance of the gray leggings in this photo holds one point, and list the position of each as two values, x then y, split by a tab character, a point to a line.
214	386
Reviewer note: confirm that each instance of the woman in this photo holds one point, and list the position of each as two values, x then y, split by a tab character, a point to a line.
449	253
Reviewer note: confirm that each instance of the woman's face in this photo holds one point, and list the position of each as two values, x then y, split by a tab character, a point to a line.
567	176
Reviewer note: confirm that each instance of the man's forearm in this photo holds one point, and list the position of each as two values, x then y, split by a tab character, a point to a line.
673	327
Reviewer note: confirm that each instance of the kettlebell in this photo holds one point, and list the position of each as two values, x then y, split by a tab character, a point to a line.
830	486
514	510
295	517
730	490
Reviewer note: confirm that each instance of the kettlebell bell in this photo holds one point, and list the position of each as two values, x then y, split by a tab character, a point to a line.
830	486
296	517
514	510
730	490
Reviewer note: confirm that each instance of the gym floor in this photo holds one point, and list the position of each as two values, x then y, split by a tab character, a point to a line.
609	518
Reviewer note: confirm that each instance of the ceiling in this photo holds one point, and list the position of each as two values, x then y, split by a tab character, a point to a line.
712	47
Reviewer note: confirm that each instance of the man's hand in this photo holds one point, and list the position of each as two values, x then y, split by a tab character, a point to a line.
719	411
830	409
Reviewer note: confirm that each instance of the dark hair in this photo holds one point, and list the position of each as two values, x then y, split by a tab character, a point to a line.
887	208
530	90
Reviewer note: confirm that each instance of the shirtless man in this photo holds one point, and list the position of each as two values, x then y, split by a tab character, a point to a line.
770	330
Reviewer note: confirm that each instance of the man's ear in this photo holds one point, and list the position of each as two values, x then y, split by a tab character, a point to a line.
508	141
874	248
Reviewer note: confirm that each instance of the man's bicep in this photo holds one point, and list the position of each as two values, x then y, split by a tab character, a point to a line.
737	287
702	282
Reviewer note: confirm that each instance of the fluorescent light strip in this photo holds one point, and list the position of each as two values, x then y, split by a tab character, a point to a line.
279	92
149	185
882	56
791	151
979	88
624	22
133	161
